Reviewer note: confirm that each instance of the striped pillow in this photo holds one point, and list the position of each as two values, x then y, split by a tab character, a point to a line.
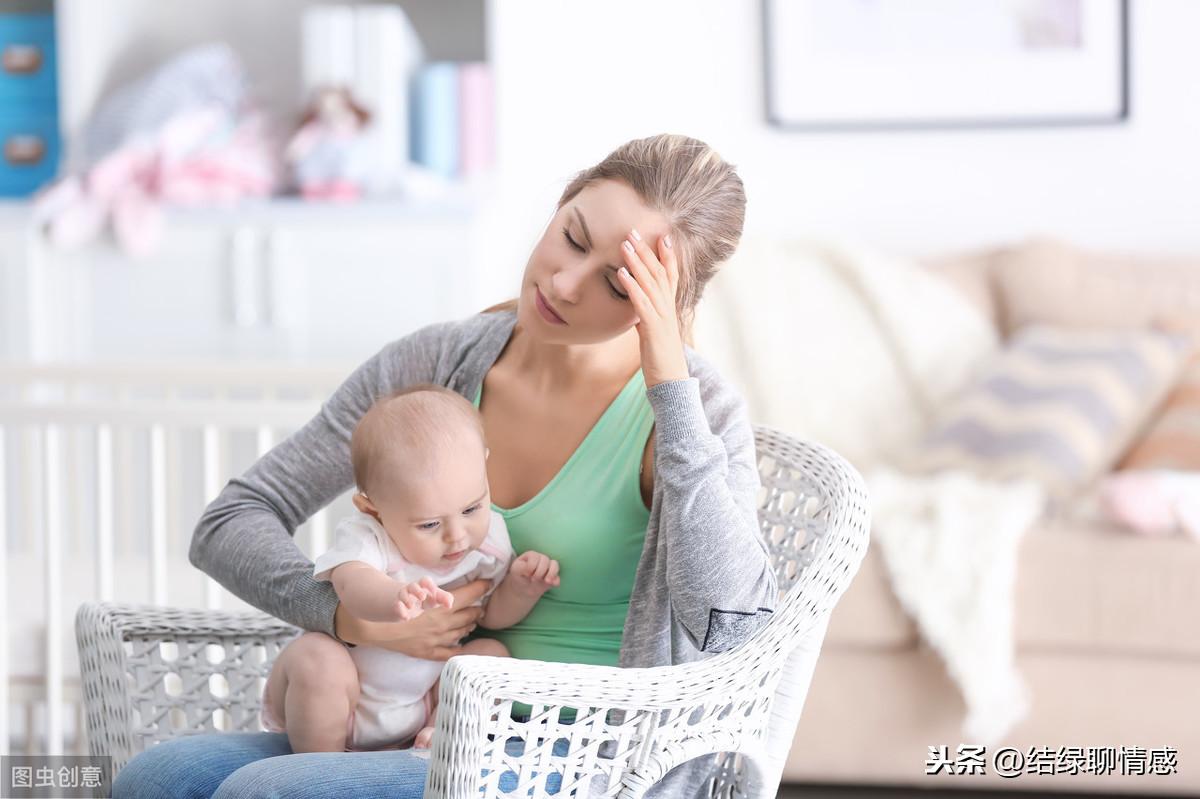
1056	405
1173	440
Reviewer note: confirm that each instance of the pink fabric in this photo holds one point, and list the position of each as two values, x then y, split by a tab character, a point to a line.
200	157
490	549
333	190
1154	502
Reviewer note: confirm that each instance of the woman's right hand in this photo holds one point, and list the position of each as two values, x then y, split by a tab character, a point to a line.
434	635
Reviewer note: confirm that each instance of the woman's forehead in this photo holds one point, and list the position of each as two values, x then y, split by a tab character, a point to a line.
610	208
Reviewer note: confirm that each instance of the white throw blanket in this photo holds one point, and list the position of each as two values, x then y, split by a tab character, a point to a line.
949	542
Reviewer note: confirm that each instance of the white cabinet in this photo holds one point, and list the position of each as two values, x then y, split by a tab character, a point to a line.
278	281
14	294
346	295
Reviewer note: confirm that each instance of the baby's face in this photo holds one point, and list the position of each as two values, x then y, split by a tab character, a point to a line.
437	517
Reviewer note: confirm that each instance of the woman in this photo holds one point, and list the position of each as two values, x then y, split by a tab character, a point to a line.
613	446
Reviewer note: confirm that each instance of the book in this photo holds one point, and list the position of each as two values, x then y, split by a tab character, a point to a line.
476	122
435	118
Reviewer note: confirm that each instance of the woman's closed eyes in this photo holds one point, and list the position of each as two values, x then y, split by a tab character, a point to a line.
611	288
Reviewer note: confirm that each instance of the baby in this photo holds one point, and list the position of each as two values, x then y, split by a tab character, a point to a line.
424	525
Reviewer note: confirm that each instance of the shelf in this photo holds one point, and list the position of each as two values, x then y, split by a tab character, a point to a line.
458	205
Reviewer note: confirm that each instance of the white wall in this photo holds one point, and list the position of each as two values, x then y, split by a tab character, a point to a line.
576	79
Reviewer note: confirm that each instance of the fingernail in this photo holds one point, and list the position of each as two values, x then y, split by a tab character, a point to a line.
667	241
624	272
636	235
627	245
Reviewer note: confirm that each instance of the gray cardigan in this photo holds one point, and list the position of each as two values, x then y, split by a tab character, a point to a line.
704	582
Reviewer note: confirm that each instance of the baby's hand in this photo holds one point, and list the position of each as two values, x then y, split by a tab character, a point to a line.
411	599
534	573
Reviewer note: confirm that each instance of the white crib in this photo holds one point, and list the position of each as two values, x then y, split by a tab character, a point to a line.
103	474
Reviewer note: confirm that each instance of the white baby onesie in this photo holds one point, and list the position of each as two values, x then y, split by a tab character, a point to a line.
392	704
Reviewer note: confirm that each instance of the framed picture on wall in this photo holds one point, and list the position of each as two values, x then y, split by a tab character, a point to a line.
887	64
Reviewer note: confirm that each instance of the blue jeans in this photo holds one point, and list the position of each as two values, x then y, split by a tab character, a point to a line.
239	765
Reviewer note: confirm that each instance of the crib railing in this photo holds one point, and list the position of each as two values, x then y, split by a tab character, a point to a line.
103	474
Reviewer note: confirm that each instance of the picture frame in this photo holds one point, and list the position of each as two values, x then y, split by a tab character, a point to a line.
944	64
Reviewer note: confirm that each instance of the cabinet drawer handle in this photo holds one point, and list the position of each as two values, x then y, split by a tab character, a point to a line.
24	150
22	59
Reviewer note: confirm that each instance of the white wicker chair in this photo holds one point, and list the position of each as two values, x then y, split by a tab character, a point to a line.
633	725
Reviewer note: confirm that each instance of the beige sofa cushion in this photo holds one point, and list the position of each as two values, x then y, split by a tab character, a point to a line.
1080	588
1095	587
1058	405
1051	282
765	322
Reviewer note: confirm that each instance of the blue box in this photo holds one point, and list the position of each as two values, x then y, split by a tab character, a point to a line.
28	61
29	151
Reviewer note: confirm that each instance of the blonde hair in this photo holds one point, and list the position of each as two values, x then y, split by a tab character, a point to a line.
698	192
409	427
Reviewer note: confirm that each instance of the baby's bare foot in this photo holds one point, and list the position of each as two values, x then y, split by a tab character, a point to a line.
424	738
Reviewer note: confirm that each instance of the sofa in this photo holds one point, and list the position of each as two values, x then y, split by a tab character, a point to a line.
1105	623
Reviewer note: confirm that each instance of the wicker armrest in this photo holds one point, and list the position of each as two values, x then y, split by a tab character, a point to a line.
150	673
624	716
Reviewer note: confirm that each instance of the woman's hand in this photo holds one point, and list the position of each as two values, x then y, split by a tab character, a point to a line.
434	635
651	280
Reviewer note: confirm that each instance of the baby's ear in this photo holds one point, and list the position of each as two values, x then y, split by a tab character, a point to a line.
364	505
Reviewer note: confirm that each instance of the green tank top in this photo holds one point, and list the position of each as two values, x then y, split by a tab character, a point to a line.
591	519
